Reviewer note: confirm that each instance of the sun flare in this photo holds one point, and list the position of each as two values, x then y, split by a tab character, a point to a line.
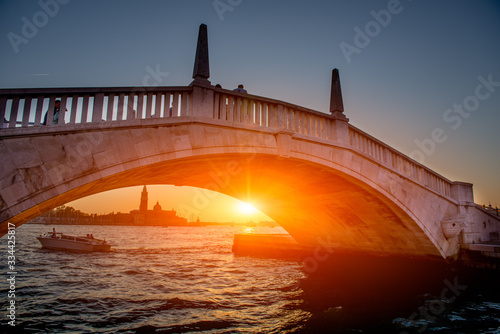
246	208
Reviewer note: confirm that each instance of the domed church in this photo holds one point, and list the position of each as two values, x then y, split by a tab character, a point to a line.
157	216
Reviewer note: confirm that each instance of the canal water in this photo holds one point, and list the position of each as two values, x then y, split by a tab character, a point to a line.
186	280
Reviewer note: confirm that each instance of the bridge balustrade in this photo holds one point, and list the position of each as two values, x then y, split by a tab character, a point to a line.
260	111
395	160
29	107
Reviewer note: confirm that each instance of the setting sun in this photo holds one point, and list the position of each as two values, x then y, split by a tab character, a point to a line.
246	208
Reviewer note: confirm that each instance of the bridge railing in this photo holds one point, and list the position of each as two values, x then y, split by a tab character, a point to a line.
29	107
394	159
255	110
22	108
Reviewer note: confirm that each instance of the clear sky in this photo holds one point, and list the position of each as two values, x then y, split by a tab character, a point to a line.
409	69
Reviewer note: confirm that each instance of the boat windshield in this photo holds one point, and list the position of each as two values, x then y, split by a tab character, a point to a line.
82	239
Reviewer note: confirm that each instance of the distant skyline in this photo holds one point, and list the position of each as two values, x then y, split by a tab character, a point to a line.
422	76
189	202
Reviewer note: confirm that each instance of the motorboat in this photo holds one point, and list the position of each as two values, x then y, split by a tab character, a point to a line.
57	240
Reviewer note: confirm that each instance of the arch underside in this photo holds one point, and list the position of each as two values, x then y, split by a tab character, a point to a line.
317	205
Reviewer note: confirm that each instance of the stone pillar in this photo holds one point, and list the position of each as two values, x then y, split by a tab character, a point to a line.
336	101
342	131
201	69
201	64
202	101
339	131
463	193
339	126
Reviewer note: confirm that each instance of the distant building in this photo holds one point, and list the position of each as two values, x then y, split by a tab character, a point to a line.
157	216
69	216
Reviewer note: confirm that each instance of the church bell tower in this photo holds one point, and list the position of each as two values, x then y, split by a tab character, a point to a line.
143	207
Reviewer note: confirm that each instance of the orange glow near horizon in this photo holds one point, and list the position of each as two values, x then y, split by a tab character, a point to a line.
246	208
189	202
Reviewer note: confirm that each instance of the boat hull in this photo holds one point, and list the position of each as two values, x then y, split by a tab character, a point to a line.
61	244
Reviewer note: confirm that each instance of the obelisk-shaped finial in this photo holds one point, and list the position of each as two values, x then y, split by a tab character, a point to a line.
201	71
336	104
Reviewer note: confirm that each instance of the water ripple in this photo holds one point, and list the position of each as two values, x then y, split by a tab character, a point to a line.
185	280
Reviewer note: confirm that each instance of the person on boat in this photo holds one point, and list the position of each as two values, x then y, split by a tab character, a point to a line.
91	236
54	234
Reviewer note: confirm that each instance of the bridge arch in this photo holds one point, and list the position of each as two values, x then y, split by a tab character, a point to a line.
321	193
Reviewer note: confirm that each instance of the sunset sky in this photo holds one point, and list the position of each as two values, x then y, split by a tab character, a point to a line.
407	68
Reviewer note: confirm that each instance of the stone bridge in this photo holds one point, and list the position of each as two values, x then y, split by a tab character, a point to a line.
325	181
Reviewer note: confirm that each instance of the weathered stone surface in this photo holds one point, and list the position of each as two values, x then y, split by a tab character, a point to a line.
23	153
146	141
35	178
15	193
8	165
49	148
